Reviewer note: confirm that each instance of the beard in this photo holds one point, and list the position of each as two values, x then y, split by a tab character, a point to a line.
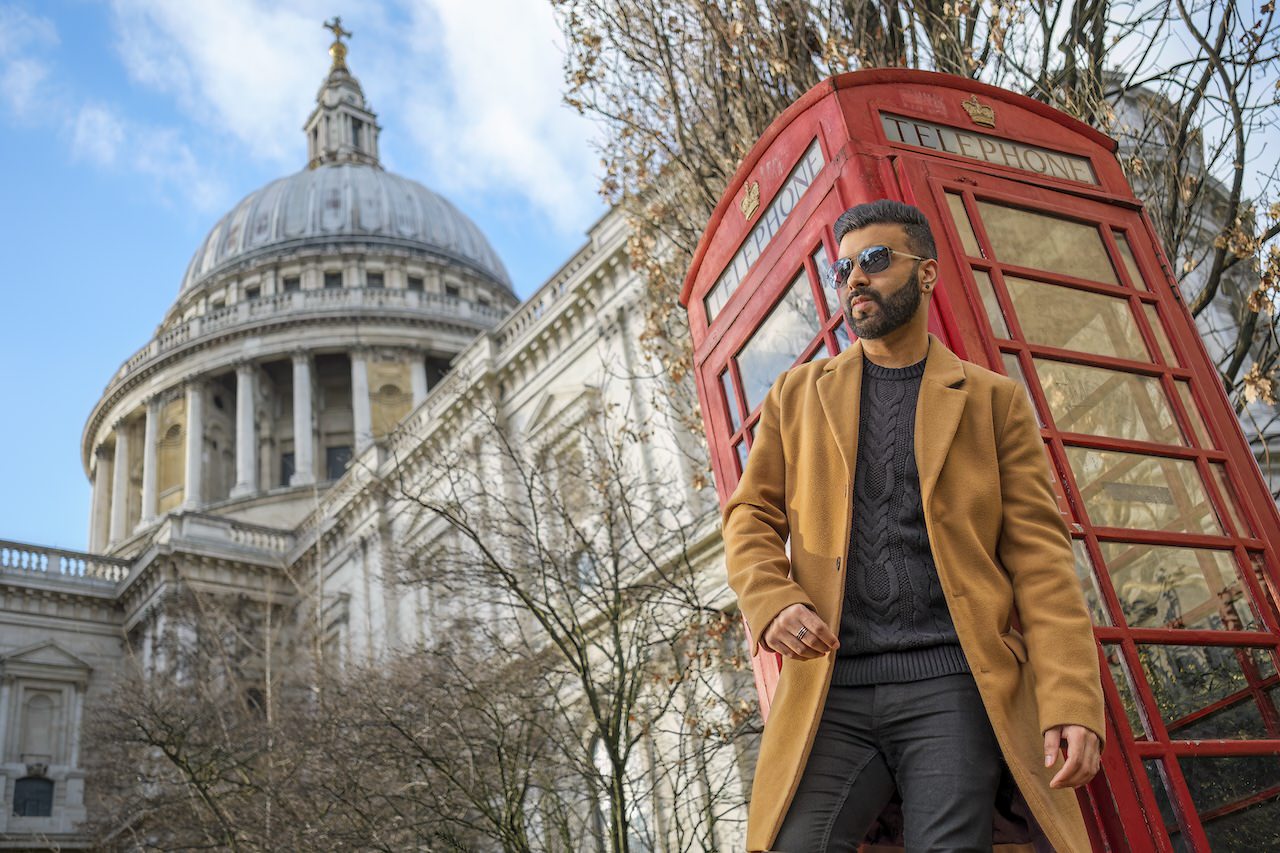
892	312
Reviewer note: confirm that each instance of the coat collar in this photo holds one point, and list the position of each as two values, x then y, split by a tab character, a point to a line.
942	398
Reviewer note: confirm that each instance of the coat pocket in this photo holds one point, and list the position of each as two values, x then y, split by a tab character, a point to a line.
1013	640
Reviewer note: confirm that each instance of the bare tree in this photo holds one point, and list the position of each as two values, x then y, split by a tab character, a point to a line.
186	752
578	569
683	88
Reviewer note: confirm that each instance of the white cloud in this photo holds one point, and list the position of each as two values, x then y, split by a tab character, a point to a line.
499	120
24	74
103	137
97	135
237	66
470	90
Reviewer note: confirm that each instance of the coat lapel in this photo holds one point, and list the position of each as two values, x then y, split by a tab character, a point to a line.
840	390
942	399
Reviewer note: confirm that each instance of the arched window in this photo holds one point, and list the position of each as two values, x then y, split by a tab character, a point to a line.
33	797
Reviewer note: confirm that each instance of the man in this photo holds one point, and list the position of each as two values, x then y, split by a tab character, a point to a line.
914	491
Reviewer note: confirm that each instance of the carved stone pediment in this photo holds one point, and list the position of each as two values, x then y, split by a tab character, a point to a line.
44	660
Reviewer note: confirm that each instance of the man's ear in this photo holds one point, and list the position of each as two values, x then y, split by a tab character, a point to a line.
929	273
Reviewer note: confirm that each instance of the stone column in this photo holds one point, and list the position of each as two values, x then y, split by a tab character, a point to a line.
362	413
246	436
193	483
304	464
100	513
120	482
150	466
418	378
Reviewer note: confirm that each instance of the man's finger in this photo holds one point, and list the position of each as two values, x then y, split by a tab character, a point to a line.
1070	775
827	641
1052	739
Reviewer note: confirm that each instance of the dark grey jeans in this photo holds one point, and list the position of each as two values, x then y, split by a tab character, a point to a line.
930	740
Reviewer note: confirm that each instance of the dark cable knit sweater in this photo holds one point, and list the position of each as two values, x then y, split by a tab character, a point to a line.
895	625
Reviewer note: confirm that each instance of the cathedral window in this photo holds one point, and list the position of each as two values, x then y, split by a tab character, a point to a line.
336	460
415	283
292	283
374	279
451	290
333	279
33	797
252	292
286	468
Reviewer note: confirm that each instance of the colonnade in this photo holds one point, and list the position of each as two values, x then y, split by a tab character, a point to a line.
110	502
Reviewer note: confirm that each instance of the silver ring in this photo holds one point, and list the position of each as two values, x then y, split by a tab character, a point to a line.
804	629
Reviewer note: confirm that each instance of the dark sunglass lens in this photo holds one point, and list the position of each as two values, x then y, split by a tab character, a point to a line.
875	259
838	272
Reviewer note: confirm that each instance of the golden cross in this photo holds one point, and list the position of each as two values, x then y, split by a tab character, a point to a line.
335	27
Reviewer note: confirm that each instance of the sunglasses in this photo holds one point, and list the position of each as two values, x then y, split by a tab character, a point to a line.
872	259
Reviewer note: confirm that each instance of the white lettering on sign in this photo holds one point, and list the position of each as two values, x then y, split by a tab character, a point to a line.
989	149
766	228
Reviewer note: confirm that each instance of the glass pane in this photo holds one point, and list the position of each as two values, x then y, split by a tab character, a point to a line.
1256	562
1193	413
1113	403
1142	492
1013	369
1217	783
1124	685
735	417
781	339
820	264
965	228
1219	471
1156	776
994	313
1130	265
1240	721
1040	241
1089	583
741	449
1186	680
1167	586
1162	340
842	336
1245	830
1075	319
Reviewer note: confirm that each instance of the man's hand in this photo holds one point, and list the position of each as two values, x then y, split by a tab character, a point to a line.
1083	755
814	641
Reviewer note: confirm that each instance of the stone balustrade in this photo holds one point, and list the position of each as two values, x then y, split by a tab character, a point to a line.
326	301
214	529
37	560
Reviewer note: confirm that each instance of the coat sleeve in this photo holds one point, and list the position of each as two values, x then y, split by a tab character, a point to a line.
1035	550
756	528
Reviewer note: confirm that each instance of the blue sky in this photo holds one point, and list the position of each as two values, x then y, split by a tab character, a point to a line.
129	127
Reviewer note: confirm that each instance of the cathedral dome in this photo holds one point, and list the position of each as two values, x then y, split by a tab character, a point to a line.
342	202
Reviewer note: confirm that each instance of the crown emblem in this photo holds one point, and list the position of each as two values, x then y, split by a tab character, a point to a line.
981	113
751	200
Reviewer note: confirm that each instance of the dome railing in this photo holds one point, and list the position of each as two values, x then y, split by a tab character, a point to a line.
300	302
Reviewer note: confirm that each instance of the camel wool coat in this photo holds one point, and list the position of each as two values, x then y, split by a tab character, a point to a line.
998	541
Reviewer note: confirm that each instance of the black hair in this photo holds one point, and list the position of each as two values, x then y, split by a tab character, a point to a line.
887	211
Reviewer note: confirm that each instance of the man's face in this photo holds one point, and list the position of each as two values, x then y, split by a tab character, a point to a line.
879	303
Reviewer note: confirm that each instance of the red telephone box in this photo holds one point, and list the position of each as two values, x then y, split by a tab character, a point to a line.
1050	273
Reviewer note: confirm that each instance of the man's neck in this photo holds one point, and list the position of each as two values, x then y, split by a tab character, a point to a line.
901	348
